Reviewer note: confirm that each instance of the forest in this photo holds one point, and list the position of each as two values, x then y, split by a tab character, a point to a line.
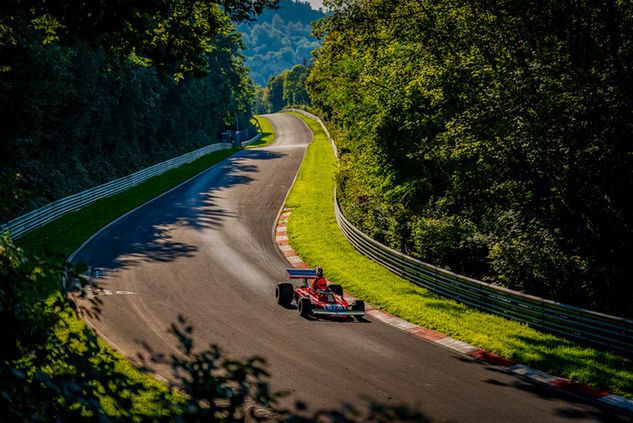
490	138
287	89
279	39
85	99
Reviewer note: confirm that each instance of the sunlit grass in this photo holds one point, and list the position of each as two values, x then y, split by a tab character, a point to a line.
315	236
268	133
148	396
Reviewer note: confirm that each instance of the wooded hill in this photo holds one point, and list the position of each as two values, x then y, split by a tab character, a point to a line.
490	138
93	91
279	39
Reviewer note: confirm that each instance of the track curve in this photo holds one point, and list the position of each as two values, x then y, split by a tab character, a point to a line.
206	250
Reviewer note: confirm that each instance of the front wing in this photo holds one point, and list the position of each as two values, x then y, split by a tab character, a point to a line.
336	310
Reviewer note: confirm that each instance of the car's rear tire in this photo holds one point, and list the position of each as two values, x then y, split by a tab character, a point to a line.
359	305
337	289
305	307
283	293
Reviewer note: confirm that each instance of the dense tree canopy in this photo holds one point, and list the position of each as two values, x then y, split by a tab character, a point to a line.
284	90
172	35
279	39
492	138
90	91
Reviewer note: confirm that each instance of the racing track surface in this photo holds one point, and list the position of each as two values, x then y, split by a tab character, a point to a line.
206	250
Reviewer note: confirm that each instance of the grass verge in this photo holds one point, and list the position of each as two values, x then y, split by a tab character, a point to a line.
64	235
268	133
315	236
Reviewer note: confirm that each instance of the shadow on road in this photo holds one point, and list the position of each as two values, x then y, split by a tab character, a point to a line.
574	408
148	233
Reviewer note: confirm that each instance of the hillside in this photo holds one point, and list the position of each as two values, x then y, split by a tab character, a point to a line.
490	139
73	116
279	39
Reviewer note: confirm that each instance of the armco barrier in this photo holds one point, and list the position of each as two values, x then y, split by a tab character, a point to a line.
253	140
597	328
56	209
311	116
573	322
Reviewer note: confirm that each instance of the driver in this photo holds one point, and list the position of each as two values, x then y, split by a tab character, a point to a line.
319	283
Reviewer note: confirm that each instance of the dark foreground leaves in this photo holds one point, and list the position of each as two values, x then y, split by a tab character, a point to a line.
53	368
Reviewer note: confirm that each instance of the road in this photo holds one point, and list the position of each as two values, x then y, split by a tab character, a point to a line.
206	250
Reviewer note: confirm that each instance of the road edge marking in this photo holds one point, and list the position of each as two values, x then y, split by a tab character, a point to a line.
586	392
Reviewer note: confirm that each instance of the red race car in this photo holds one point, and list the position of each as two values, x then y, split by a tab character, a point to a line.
317	303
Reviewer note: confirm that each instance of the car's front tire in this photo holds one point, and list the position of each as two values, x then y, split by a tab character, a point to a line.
283	293
305	307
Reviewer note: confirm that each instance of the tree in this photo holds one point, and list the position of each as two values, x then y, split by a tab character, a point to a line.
260	104
294	90
173	36
287	89
489	138
276	93
77	112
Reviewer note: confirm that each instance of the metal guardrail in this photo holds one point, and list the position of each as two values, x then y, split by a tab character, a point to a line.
569	321
586	325
311	116
56	209
253	140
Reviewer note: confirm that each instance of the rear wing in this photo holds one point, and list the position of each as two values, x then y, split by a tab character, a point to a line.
301	273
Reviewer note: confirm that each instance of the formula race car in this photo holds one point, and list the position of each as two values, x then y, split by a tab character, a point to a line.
317	303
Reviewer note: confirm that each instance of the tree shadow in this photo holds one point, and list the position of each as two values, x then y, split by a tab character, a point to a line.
149	233
595	412
547	352
215	384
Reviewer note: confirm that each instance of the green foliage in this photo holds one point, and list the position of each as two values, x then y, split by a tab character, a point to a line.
48	365
489	138
449	240
275	92
51	370
287	89
294	86
173	36
260	100
72	117
279	39
316	237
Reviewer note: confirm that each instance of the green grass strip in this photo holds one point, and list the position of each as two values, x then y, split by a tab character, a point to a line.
315	236
66	234
268	135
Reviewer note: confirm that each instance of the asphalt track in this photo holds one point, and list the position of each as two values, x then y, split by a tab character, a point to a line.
206	250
